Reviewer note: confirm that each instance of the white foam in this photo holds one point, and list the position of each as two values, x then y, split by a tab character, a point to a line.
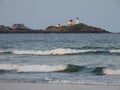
32	68
59	51
115	51
28	52
111	72
8	66
40	68
2	51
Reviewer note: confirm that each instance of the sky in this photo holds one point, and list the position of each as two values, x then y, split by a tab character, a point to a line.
39	14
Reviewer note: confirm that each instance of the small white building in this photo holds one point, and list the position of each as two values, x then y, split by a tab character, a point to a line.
70	22
76	21
58	25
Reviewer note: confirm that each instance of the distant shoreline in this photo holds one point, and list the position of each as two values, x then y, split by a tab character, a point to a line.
77	28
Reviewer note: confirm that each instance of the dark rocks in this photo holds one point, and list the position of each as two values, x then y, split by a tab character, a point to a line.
77	28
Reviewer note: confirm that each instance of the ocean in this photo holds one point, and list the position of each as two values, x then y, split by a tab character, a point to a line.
73	58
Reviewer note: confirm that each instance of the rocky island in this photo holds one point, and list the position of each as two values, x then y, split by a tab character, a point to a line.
77	28
69	28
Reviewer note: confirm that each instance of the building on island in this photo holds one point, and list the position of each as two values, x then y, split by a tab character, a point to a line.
4	27
58	25
76	21
70	22
1	26
19	26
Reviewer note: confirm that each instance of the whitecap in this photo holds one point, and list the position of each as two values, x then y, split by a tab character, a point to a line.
111	71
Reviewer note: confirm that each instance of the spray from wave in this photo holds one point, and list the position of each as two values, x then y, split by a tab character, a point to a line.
111	72
59	51
40	68
58	68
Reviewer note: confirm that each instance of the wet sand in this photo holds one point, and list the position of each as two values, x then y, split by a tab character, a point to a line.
42	86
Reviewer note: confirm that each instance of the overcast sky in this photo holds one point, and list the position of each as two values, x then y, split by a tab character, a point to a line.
42	13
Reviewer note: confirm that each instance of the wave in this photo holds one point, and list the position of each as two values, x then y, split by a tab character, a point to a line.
40	68
58	68
59	51
115	51
106	71
111	72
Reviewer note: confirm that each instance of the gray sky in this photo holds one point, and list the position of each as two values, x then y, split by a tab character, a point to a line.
42	13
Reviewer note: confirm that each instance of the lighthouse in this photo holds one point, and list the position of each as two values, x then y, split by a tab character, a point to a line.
70	22
76	21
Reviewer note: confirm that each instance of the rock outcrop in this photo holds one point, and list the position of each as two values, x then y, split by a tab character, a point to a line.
76	28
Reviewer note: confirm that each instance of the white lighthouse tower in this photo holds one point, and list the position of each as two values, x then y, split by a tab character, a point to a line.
76	21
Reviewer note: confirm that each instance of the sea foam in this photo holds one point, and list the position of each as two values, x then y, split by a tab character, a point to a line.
59	51
40	68
108	71
58	68
32	68
115	51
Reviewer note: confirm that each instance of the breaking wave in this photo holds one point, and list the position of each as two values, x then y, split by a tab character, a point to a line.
57	68
111	72
105	71
40	68
59	51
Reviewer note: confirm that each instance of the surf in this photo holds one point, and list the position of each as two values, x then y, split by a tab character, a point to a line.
40	68
108	71
59	51
68	68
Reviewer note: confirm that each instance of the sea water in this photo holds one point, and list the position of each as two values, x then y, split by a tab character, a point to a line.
60	58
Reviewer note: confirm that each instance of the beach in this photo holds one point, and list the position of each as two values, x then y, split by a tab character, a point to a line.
46	86
66	45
